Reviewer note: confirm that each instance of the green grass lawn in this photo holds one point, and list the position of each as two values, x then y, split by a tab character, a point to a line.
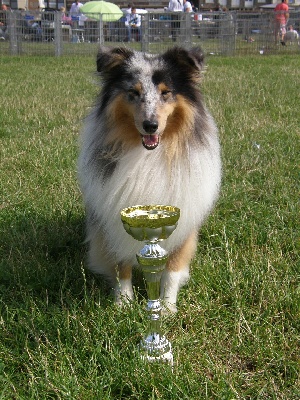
236	334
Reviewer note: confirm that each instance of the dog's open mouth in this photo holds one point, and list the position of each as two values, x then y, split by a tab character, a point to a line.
150	142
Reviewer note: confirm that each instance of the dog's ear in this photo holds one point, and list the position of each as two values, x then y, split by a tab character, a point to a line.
108	57
197	56
191	61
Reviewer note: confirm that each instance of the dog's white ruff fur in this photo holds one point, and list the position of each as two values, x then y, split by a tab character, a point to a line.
144	177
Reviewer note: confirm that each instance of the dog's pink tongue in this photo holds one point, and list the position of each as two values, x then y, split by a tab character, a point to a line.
150	141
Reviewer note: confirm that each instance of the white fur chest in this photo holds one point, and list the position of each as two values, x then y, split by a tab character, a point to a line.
143	177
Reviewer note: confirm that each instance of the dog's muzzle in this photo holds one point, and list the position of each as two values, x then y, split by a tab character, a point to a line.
150	140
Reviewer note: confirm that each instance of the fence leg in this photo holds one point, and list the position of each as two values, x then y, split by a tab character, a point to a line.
188	29
15	42
58	34
101	36
145	33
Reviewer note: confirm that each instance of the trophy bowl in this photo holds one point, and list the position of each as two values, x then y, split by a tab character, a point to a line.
152	224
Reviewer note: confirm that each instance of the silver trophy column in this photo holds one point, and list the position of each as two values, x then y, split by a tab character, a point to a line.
152	224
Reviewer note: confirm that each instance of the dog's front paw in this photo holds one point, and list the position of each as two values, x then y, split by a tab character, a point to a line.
123	293
122	300
168	308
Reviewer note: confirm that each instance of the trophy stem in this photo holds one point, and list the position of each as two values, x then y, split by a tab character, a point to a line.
154	345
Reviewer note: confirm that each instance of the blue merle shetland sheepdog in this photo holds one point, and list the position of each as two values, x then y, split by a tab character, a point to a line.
149	139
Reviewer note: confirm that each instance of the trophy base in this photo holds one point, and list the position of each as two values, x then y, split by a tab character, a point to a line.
166	358
156	348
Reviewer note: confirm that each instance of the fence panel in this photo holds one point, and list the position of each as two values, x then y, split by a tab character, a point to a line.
224	33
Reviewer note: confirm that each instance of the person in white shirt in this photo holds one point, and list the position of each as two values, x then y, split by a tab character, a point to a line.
133	23
187	7
175	6
76	15
75	8
292	36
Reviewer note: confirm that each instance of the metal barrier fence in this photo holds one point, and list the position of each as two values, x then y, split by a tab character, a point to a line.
230	33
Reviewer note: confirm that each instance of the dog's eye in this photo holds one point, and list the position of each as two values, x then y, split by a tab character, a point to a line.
133	94
166	94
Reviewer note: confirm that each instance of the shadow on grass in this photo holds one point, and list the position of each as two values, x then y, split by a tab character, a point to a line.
44	259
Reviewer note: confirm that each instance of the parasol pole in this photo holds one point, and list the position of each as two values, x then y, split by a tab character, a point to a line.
101	37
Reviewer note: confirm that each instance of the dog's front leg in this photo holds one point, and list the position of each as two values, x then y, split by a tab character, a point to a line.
123	287
176	273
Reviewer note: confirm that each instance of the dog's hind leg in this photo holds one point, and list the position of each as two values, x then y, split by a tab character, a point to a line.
119	276
176	273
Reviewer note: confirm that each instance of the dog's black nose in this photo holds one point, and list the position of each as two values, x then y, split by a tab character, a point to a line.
150	126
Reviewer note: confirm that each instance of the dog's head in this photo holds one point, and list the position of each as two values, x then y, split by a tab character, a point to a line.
149	96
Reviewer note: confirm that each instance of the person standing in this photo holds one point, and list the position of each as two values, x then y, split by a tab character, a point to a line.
75	15
75	8
175	6
187	6
281	18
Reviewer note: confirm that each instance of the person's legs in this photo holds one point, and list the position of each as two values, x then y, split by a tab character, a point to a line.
282	33
277	31
129	33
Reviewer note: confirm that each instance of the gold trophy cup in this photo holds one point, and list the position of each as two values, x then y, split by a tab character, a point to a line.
152	224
